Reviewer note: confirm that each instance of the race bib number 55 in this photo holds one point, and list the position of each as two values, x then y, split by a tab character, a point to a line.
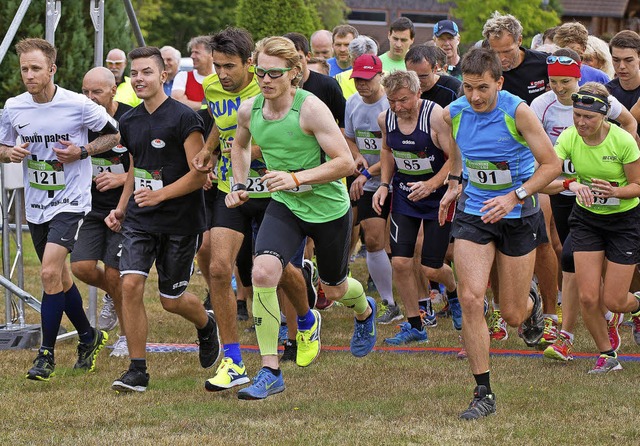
148	179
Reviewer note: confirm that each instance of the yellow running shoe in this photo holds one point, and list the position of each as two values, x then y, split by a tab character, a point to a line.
309	342
227	376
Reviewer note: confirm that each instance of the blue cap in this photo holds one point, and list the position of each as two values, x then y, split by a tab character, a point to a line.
445	26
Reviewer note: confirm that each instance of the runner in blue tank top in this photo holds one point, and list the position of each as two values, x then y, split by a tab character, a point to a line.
498	216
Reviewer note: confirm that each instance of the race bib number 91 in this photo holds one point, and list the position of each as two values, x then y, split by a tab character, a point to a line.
46	175
489	175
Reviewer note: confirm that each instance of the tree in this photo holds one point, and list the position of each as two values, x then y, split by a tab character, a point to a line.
532	16
331	12
175	22
73	38
276	17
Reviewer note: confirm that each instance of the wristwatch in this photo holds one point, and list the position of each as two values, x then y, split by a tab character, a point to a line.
83	153
238	186
385	185
457	178
521	193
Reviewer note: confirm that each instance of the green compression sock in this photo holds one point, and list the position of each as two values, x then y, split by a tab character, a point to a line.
355	297
266	316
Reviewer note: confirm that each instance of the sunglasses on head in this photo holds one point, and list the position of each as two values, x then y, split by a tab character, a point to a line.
586	99
274	73
562	60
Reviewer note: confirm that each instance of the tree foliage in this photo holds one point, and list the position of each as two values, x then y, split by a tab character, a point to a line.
532	16
277	17
331	12
175	22
74	39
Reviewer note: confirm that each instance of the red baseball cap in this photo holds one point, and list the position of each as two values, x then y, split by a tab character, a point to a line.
366	67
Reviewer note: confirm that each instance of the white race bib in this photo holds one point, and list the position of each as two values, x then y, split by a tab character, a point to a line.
369	143
146	179
489	175
100	165
410	163
46	175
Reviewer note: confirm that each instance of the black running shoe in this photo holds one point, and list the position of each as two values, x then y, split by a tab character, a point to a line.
243	313
482	405
87	353
209	346
43	367
133	380
290	351
207	302
532	328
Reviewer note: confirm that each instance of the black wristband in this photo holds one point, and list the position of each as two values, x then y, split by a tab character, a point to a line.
238	186
458	178
385	185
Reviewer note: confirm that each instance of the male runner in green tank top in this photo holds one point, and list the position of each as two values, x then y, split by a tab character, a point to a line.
306	156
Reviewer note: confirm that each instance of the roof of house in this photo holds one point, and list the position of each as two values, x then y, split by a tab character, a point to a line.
598	8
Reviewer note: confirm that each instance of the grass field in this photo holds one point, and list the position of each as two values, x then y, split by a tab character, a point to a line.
383	399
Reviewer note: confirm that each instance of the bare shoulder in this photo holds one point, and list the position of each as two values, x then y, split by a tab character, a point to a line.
244	111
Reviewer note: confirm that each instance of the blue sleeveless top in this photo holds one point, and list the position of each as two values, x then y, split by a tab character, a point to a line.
416	158
496	159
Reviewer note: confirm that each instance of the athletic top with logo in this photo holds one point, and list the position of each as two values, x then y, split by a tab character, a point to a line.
361	125
416	158
50	186
287	148
555	118
529	79
224	106
495	157
156	143
605	161
115	160
444	91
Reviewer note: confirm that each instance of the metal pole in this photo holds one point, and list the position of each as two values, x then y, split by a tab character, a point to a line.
22	294
13	28
134	22
52	20
18	209
6	249
97	17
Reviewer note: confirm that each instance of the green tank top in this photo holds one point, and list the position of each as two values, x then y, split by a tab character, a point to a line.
285	147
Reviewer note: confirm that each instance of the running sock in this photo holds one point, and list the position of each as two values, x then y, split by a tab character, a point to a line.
380	270
75	312
51	316
266	315
434	285
232	351
274	372
354	297
610	353
551	316
568	335
139	364
306	322
415	322
482	379
206	330
496	306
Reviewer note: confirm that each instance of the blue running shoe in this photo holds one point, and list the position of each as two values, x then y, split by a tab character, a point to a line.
456	313
264	384
365	333
407	335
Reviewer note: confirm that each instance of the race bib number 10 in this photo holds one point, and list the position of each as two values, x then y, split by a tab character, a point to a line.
46	175
489	175
145	179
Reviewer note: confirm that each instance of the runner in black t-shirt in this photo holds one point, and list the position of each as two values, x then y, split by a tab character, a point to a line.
95	240
625	54
164	208
441	89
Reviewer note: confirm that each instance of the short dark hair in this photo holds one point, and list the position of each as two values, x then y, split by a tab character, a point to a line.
418	53
402	24
233	42
301	43
478	61
549	33
148	52
343	30
36	44
626	39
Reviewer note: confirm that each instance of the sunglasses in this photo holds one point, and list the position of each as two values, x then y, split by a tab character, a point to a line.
562	60
588	100
274	73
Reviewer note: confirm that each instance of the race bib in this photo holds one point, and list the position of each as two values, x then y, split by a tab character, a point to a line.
489	175
300	189
46	175
145	179
369	143
254	185
410	163
100	165
568	169
609	201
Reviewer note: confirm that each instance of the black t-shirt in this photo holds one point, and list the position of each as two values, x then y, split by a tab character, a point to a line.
114	160
529	79
444	92
455	70
328	91
156	143
628	98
